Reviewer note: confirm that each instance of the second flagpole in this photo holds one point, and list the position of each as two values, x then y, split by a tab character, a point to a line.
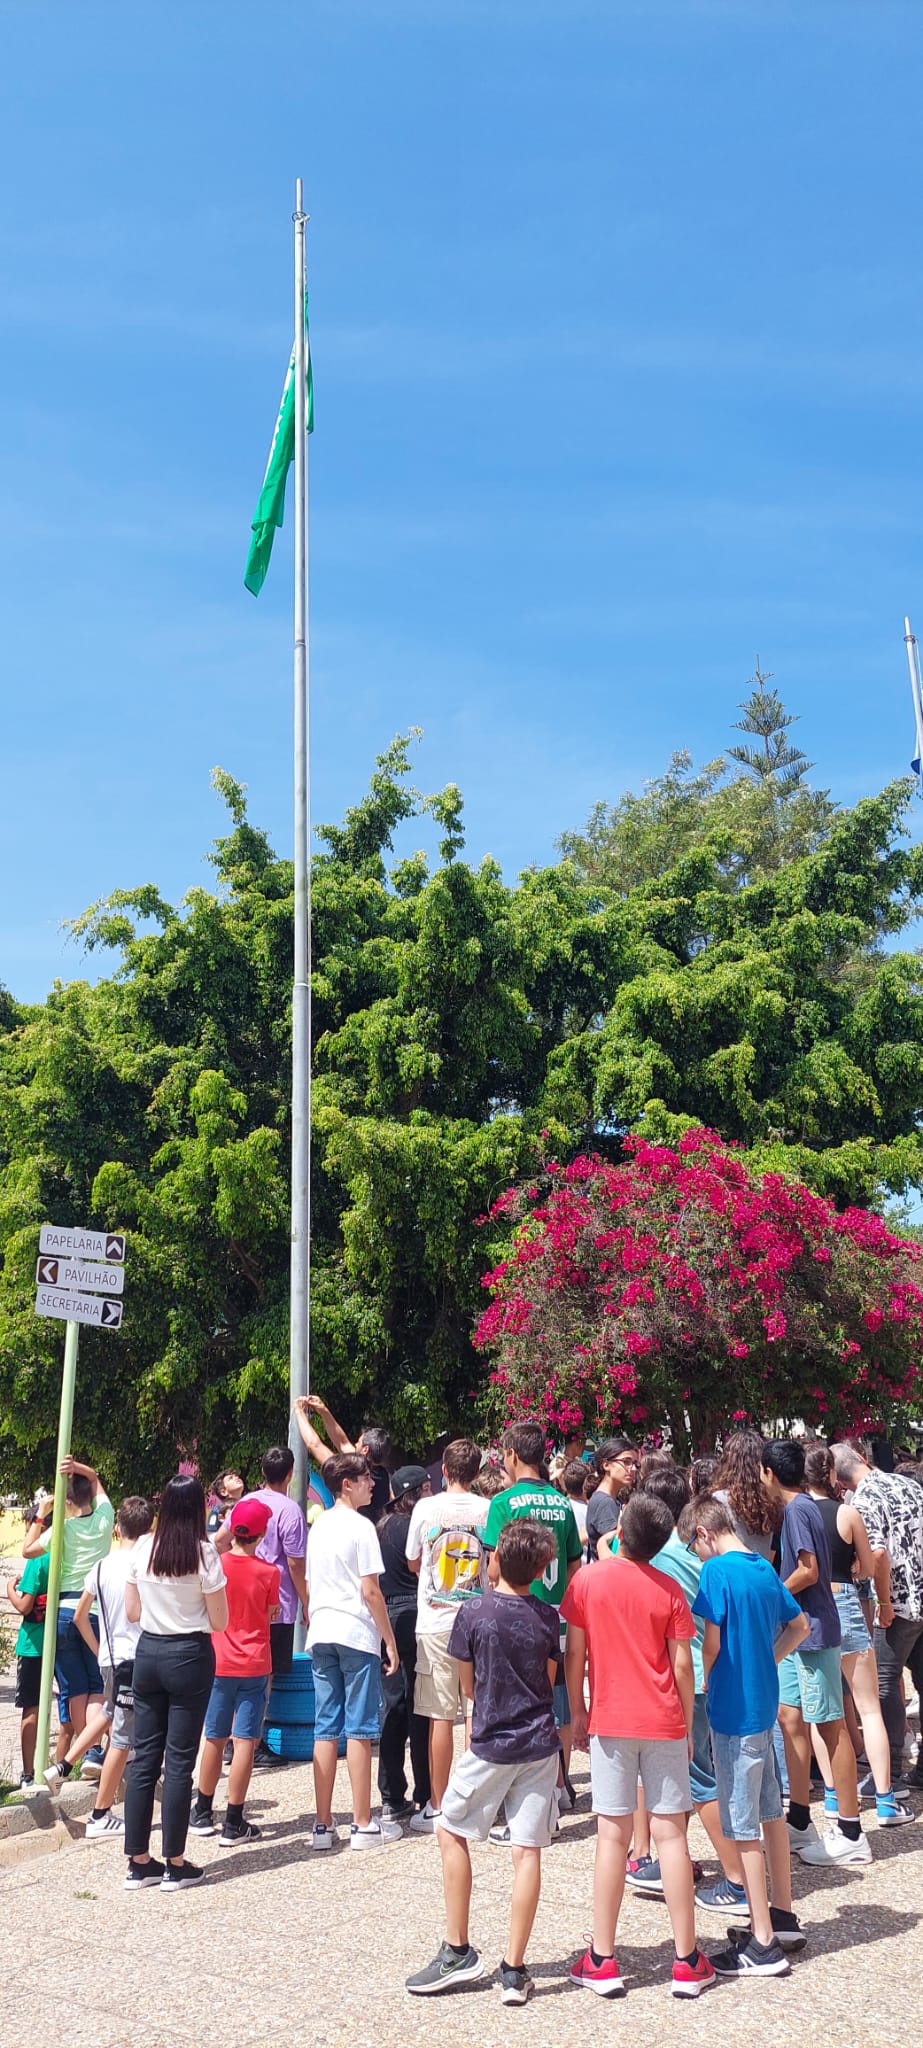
300	1313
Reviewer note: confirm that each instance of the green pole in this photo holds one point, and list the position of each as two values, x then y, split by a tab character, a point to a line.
65	1425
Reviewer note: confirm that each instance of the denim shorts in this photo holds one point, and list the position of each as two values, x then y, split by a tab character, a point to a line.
748	1784
813	1681
853	1625
76	1669
347	1693
702	1783
236	1707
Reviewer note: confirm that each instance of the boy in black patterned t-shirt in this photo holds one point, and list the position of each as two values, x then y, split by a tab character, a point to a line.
506	1643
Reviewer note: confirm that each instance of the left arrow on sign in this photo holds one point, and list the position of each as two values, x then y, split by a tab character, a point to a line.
48	1272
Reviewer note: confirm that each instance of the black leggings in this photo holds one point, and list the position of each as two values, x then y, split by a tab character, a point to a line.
400	1720
172	1682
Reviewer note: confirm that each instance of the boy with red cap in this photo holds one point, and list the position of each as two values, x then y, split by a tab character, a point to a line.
243	1667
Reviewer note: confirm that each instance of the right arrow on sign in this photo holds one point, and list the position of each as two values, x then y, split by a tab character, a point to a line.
111	1315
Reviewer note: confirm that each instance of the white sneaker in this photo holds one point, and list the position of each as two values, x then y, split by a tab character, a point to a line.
376	1835
324	1837
801	1837
835	1847
54	1779
107	1824
424	1822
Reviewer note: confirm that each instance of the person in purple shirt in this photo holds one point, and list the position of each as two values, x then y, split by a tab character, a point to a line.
284	1544
810	1680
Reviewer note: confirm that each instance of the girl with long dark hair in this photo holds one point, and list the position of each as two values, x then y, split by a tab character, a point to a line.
757	1521
176	1589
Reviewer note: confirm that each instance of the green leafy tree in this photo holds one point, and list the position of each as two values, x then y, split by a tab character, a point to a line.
456	1017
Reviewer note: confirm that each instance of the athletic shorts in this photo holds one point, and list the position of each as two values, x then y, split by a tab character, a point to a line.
813	1681
347	1693
28	1682
748	1783
437	1694
618	1761
236	1707
478	1788
281	1647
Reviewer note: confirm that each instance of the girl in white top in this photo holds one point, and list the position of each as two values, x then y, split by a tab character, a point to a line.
176	1590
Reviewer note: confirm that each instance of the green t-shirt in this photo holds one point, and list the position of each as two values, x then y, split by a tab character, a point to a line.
87	1538
32	1626
530	1500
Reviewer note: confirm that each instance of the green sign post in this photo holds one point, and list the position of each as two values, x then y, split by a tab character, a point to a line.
60	1281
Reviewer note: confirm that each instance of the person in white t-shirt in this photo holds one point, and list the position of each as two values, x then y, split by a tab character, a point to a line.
103	1597
347	1624
177	1590
445	1546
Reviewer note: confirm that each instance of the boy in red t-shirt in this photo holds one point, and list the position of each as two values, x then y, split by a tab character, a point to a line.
243	1667
636	1624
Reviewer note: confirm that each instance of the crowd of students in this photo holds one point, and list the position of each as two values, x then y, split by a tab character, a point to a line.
711	1635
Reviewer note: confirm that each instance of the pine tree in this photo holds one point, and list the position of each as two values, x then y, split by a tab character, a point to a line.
767	720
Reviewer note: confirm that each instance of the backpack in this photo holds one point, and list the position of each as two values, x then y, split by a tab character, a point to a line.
457	1565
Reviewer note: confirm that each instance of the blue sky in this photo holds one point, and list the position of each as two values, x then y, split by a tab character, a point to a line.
616	324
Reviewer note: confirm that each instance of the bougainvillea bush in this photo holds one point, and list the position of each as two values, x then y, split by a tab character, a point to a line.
679	1290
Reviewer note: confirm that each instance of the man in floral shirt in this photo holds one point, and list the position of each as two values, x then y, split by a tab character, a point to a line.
892	1510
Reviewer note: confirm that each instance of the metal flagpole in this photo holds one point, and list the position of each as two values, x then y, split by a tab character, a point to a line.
300	1315
916	691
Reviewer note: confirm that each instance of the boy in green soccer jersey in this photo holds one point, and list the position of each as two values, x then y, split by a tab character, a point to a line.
529	1497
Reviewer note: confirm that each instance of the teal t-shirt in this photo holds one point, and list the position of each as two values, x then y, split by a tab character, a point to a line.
530	1500
681	1564
32	1626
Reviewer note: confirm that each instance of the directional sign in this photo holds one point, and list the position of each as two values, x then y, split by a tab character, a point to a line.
83	1244
80	1277
78	1308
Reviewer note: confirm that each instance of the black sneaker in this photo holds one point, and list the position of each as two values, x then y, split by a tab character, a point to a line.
446	1972
227	1754
202	1821
403	1809
787	1931
265	1759
179	1877
751	1959
139	1875
243	1832
515	1984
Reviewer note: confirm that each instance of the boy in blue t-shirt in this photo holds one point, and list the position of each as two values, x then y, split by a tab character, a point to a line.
751	1622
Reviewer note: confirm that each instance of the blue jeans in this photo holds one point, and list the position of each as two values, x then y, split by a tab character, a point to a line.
347	1693
236	1707
748	1785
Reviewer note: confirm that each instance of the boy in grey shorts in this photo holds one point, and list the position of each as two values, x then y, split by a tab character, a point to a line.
634	1624
506	1644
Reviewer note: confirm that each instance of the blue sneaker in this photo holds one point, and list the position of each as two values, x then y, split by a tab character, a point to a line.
644	1876
830	1805
723	1897
892	1813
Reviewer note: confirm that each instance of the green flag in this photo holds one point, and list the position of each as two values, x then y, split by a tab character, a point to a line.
270	508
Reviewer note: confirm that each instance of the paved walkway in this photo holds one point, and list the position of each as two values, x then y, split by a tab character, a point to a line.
281	1943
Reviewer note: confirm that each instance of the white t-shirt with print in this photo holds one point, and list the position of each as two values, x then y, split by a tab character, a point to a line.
343	1549
446	1534
175	1607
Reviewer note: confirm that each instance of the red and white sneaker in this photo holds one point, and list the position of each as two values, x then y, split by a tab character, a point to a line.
691	1978
604	1978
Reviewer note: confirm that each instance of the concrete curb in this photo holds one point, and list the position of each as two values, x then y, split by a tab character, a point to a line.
40	1825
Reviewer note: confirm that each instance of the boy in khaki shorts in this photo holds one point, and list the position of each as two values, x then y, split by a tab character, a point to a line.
506	1645
445	1545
